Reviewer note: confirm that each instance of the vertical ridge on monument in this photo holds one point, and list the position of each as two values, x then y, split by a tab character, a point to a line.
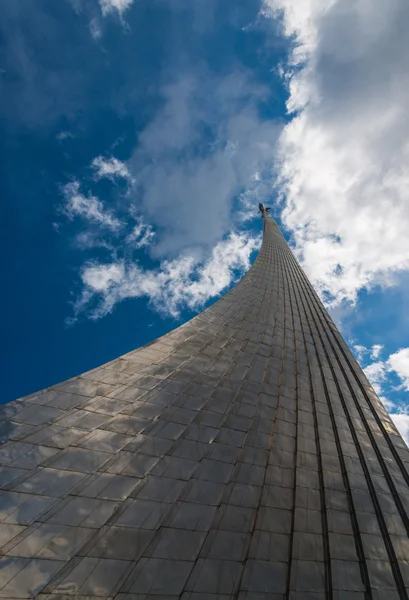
242	456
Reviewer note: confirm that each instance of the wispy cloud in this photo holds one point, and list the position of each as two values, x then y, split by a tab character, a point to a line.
95	29
389	405
118	6
344	156
362	352
141	235
376	351
206	146
181	283
378	372
89	207
401	421
399	363
64	135
387	377
201	155
88	239
110	168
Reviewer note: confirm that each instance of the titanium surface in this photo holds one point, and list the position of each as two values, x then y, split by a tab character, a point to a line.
242	456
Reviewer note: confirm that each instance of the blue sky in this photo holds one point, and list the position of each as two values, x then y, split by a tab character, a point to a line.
138	137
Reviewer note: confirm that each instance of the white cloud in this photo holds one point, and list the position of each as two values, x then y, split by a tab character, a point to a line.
183	282
102	279
90	239
192	188
188	181
64	135
377	373
110	168
399	363
141	235
380	373
88	207
344	157
388	404
376	351
396	364
119	6
95	29
401	421
362	352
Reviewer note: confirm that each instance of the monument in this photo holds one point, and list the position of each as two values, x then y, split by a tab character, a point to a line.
242	456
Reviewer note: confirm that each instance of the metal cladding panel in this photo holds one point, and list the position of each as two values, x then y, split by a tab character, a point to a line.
243	455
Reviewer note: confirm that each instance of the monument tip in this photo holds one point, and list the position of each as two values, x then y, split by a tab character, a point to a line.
263	209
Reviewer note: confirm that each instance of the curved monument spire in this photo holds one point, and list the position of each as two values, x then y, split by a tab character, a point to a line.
242	456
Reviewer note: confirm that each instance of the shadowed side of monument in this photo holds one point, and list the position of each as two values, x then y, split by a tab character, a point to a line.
242	456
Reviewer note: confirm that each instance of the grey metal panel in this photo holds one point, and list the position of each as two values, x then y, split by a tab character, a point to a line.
244	455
